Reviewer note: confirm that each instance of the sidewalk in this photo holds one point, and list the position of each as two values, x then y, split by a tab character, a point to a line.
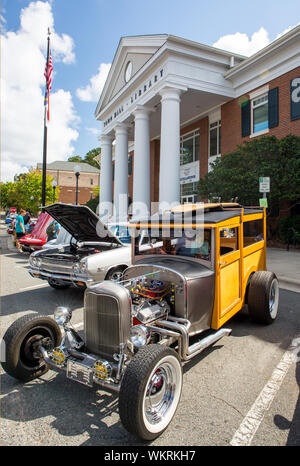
286	265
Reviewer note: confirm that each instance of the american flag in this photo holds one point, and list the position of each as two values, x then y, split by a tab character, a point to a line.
48	76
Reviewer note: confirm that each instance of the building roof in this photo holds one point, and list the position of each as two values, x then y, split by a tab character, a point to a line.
69	166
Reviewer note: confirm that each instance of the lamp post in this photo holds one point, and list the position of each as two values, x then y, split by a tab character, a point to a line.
54	184
77	171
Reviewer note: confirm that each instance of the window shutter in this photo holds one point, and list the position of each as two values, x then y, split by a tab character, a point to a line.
273	114
245	118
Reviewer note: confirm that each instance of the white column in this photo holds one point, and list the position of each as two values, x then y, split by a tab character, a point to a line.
105	207
121	173
141	170
169	174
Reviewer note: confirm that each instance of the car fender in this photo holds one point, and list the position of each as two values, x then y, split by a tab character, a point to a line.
101	263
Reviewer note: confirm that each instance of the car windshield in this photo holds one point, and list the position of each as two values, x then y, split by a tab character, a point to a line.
193	243
121	232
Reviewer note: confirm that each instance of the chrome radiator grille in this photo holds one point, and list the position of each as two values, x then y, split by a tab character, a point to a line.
102	326
106	319
56	266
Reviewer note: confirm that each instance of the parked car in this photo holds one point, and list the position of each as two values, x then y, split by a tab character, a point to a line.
137	332
85	258
38	237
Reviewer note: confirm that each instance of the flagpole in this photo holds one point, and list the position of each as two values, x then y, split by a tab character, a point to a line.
45	129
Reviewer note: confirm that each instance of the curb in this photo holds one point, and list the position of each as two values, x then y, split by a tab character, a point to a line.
289	283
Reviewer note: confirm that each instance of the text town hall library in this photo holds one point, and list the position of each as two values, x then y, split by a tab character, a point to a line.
170	106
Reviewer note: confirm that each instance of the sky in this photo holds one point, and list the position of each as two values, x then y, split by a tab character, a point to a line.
84	38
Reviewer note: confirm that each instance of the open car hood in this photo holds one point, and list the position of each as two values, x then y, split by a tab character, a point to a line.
81	222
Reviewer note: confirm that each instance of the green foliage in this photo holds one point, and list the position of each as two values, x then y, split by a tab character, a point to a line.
93	203
89	157
26	191
237	174
288	223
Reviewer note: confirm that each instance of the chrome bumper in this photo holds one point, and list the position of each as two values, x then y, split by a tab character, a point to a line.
37	273
85	360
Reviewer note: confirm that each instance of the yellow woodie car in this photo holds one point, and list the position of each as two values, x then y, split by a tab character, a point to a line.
192	269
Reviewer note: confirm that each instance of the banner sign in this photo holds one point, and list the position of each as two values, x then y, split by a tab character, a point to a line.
189	173
295	98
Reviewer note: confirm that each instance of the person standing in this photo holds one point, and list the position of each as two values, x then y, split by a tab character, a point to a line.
20	228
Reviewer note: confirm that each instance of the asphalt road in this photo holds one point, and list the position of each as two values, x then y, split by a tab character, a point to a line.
243	380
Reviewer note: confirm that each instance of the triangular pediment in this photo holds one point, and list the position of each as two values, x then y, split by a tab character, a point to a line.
132	54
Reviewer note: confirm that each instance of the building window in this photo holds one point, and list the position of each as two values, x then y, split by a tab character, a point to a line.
214	145
189	147
259	115
92	181
215	138
189	153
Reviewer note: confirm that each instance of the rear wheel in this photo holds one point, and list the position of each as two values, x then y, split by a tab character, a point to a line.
150	391
58	285
263	297
22	339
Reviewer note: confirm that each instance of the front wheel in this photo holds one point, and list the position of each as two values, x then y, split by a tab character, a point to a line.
22	339
150	391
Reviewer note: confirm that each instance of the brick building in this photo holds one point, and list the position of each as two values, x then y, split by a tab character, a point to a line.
63	173
170	106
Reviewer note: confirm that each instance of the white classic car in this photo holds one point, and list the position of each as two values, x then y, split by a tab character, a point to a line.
85	252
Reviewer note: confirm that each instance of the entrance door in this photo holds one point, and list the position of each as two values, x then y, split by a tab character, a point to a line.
229	270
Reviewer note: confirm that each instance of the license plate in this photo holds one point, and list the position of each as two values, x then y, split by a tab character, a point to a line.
80	373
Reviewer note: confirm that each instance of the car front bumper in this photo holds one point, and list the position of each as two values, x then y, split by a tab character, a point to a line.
64	277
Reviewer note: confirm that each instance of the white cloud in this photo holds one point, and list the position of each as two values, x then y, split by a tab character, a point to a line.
240	43
22	90
92	91
94	131
286	30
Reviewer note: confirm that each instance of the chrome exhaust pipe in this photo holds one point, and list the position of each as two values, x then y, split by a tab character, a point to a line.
186	352
199	346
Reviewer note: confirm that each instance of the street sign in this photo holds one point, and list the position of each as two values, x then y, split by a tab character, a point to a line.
264	185
263	202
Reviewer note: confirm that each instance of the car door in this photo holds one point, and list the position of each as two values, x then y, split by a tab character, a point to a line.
229	270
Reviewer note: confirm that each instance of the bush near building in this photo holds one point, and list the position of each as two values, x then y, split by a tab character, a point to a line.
236	175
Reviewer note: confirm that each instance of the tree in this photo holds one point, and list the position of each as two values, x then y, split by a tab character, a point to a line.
89	158
237	174
26	192
75	158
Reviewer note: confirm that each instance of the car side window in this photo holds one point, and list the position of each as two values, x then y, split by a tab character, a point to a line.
228	240
253	232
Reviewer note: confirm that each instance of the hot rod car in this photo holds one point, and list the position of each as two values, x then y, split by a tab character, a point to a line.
196	271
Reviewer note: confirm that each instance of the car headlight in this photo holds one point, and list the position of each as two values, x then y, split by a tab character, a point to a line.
38	262
76	268
35	261
83	267
139	335
62	315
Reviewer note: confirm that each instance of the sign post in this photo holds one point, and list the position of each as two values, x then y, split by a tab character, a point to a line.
264	187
